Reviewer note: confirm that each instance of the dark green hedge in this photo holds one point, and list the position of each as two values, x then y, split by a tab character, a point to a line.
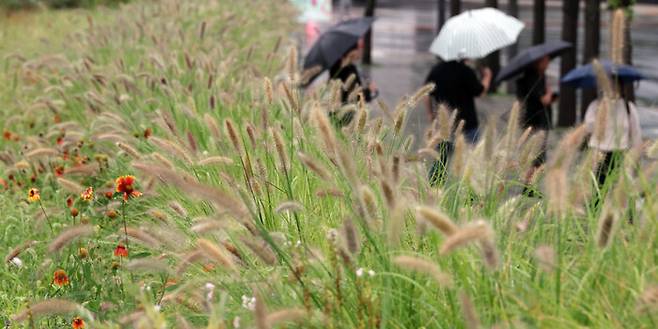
57	4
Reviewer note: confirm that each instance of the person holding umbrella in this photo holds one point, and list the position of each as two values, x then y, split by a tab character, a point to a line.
471	35
337	50
343	70
534	94
612	119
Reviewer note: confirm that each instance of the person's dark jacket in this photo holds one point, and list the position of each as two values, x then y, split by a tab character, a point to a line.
456	85
343	74
530	88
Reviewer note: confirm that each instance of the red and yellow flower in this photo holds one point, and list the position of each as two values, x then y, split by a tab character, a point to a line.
125	186
121	251
77	323
60	278
33	195
88	194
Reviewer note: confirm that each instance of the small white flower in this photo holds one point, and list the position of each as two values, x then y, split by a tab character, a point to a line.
359	272
17	262
211	291
298	243
205	152
371	273
236	322
249	302
157	308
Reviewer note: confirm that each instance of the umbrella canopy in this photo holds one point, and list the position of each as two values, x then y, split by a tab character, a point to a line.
332	44
476	34
585	76
528	56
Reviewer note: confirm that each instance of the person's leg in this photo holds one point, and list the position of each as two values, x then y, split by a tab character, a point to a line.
439	170
607	169
536	164
604	168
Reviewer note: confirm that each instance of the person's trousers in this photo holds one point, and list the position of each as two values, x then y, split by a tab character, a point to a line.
439	170
609	165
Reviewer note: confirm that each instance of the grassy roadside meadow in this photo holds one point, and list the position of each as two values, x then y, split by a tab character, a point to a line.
160	168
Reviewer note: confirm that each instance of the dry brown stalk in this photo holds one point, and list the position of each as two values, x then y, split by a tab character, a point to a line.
69	235
421	265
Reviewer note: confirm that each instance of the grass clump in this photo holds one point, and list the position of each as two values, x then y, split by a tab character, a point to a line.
223	197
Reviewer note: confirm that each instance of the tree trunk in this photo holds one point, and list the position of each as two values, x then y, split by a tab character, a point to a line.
513	10
567	109
493	59
455	7
367	50
441	11
539	22
592	48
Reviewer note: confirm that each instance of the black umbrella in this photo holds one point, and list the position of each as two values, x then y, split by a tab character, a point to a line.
332	44
528	56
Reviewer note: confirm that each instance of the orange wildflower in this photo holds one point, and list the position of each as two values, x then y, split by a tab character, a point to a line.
124	185
78	323
33	195
59	171
120	251
60	278
88	194
147	133
6	135
69	202
3	183
74	212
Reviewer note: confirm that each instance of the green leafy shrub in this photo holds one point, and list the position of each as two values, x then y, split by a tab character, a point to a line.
57	4
18	4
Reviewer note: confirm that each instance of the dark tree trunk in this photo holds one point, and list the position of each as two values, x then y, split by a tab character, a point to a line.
493	60
567	109
592	48
441	12
455	7
513	10
539	21
367	51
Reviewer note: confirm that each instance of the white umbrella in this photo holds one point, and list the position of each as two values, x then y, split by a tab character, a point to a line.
476	34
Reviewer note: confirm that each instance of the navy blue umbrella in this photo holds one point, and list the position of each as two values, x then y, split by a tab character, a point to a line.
585	76
331	45
530	55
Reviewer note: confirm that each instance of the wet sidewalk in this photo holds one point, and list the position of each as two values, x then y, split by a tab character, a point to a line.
404	31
